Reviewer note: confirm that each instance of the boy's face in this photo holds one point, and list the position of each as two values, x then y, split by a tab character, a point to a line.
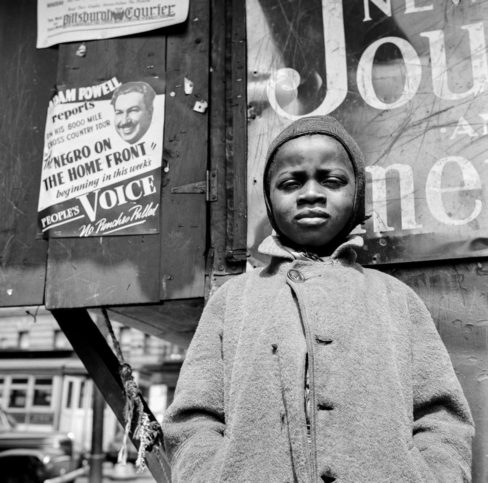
312	189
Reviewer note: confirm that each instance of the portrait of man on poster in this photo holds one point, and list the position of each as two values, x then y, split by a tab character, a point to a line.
133	110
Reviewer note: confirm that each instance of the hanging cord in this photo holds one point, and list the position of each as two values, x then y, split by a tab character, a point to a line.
146	431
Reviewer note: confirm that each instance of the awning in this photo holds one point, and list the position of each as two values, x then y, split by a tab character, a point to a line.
59	366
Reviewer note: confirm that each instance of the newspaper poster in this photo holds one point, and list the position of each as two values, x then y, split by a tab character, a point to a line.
61	21
409	81
101	168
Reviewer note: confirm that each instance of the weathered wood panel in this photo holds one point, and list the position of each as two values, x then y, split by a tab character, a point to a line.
183	237
109	270
174	321
28	78
100	271
216	143
237	134
456	296
229	186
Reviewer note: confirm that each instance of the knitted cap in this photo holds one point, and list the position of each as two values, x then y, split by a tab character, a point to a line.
328	126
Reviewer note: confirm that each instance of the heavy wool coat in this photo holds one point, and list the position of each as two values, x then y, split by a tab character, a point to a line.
385	403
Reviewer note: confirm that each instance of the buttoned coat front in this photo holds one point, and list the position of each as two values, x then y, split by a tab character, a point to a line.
385	403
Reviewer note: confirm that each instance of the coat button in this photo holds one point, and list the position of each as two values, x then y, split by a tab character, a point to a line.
325	406
327	478
323	340
296	276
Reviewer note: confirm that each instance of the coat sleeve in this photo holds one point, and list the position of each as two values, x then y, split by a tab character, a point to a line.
442	427
194	424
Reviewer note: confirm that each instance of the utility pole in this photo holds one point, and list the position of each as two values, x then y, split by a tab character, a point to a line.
97	455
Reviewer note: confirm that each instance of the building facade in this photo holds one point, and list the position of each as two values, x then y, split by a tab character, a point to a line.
44	385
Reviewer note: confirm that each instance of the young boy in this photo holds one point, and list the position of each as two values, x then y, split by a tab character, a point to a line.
315	369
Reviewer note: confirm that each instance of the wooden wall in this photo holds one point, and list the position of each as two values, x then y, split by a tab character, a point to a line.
136	273
457	296
112	270
145	269
28	81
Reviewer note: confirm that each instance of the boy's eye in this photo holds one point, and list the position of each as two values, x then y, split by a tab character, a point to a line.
334	182
289	184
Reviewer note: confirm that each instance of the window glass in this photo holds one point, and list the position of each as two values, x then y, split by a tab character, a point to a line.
69	396
20	380
60	341
2	389
82	394
18	398
23	341
18	392
125	338
146	344
43	388
43	381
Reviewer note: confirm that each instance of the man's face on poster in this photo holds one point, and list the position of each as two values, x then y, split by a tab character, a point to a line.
132	116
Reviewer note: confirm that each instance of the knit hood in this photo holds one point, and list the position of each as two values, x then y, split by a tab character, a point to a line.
328	126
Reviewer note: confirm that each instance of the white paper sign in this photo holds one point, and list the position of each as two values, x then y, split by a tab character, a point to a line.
101	170
74	20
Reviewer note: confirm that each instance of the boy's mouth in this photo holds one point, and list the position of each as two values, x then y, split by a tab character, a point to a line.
312	217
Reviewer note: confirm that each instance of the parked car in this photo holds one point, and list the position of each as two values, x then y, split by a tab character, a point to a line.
33	457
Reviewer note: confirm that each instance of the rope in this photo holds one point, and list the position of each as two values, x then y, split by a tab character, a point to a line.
115	342
146	431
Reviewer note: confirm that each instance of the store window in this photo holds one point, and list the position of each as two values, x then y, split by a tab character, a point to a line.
25	392
29	399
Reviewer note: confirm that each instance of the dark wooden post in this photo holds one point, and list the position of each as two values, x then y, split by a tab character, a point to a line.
103	366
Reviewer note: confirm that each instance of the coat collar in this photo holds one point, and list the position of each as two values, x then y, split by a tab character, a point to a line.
272	246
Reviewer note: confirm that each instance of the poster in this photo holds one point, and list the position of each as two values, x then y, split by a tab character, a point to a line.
101	167
73	20
409	80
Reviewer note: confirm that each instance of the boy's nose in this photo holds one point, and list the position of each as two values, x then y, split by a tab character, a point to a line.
312	192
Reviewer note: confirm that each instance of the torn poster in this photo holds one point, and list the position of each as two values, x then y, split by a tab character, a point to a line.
101	168
75	20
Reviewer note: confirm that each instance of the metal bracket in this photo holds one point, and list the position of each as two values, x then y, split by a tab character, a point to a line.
237	255
207	187
200	187
212	185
